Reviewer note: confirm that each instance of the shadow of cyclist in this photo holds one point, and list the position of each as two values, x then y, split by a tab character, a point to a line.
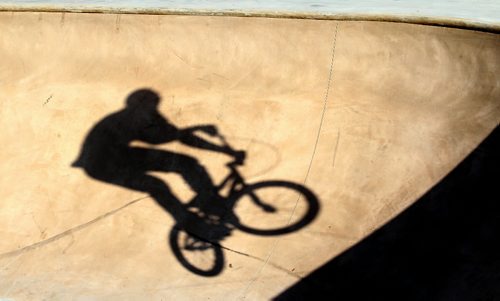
107	156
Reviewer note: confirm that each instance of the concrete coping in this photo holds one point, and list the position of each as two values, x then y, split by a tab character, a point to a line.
480	19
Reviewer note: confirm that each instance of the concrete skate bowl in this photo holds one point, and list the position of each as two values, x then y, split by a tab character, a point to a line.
359	120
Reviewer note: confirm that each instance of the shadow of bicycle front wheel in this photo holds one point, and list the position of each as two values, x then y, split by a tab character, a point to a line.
293	207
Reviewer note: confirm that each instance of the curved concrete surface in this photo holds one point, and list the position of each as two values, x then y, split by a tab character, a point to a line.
366	115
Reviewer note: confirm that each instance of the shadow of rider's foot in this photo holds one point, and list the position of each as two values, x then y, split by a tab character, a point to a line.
214	206
206	229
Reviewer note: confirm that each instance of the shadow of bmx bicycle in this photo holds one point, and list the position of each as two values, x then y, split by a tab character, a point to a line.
203	222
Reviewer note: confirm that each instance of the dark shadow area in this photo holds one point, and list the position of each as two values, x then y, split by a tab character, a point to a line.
202	223
443	247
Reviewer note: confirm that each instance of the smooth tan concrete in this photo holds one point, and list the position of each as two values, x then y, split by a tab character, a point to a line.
367	115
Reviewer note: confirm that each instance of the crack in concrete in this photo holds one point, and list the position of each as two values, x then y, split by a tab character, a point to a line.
265	261
291	273
335	150
67	232
48	99
71	231
325	101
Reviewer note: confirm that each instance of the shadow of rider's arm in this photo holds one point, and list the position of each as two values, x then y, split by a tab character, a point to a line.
161	131
188	137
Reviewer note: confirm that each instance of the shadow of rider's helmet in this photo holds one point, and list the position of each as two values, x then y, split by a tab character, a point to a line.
143	99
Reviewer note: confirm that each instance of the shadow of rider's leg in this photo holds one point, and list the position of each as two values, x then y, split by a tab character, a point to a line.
193	173
155	187
160	192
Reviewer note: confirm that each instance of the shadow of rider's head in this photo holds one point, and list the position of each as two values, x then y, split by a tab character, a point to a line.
144	99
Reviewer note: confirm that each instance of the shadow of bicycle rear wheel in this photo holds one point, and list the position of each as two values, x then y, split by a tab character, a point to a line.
196	254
